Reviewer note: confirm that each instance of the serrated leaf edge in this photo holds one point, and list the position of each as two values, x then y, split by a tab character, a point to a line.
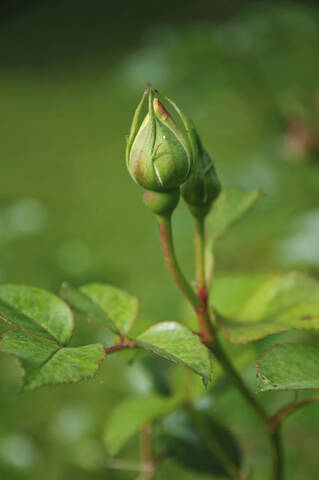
22	387
148	347
116	330
17	327
18	361
123	291
262	377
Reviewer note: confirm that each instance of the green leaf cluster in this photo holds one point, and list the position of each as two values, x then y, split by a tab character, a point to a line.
42	326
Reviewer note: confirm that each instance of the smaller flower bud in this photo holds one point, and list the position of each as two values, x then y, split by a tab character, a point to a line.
158	154
202	186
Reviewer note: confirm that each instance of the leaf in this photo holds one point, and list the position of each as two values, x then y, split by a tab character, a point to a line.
31	351
86	306
250	307
131	415
178	344
45	363
16	318
37	311
229	207
198	442
288	367
70	365
121	307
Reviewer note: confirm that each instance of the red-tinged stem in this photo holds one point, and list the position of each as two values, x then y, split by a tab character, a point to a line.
202	291
200	257
217	349
198	303
117	348
282	414
165	229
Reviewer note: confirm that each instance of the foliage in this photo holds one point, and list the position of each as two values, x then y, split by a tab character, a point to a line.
43	327
247	307
195	439
265	304
131	415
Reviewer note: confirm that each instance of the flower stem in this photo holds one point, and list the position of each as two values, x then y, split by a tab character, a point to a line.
201	287
217	349
276	444
238	382
200	253
209	335
273	435
198	302
165	228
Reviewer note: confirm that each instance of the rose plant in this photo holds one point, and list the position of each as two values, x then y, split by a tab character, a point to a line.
165	156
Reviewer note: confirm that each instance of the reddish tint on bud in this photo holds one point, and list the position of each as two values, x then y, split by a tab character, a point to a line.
162	113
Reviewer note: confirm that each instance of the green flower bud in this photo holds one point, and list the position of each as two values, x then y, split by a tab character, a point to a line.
158	154
202	186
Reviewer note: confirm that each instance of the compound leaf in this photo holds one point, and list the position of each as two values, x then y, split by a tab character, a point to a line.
45	363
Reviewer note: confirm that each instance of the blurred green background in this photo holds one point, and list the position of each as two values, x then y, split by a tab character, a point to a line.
71	74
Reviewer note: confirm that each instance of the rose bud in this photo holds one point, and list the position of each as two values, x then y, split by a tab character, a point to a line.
158	154
202	186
